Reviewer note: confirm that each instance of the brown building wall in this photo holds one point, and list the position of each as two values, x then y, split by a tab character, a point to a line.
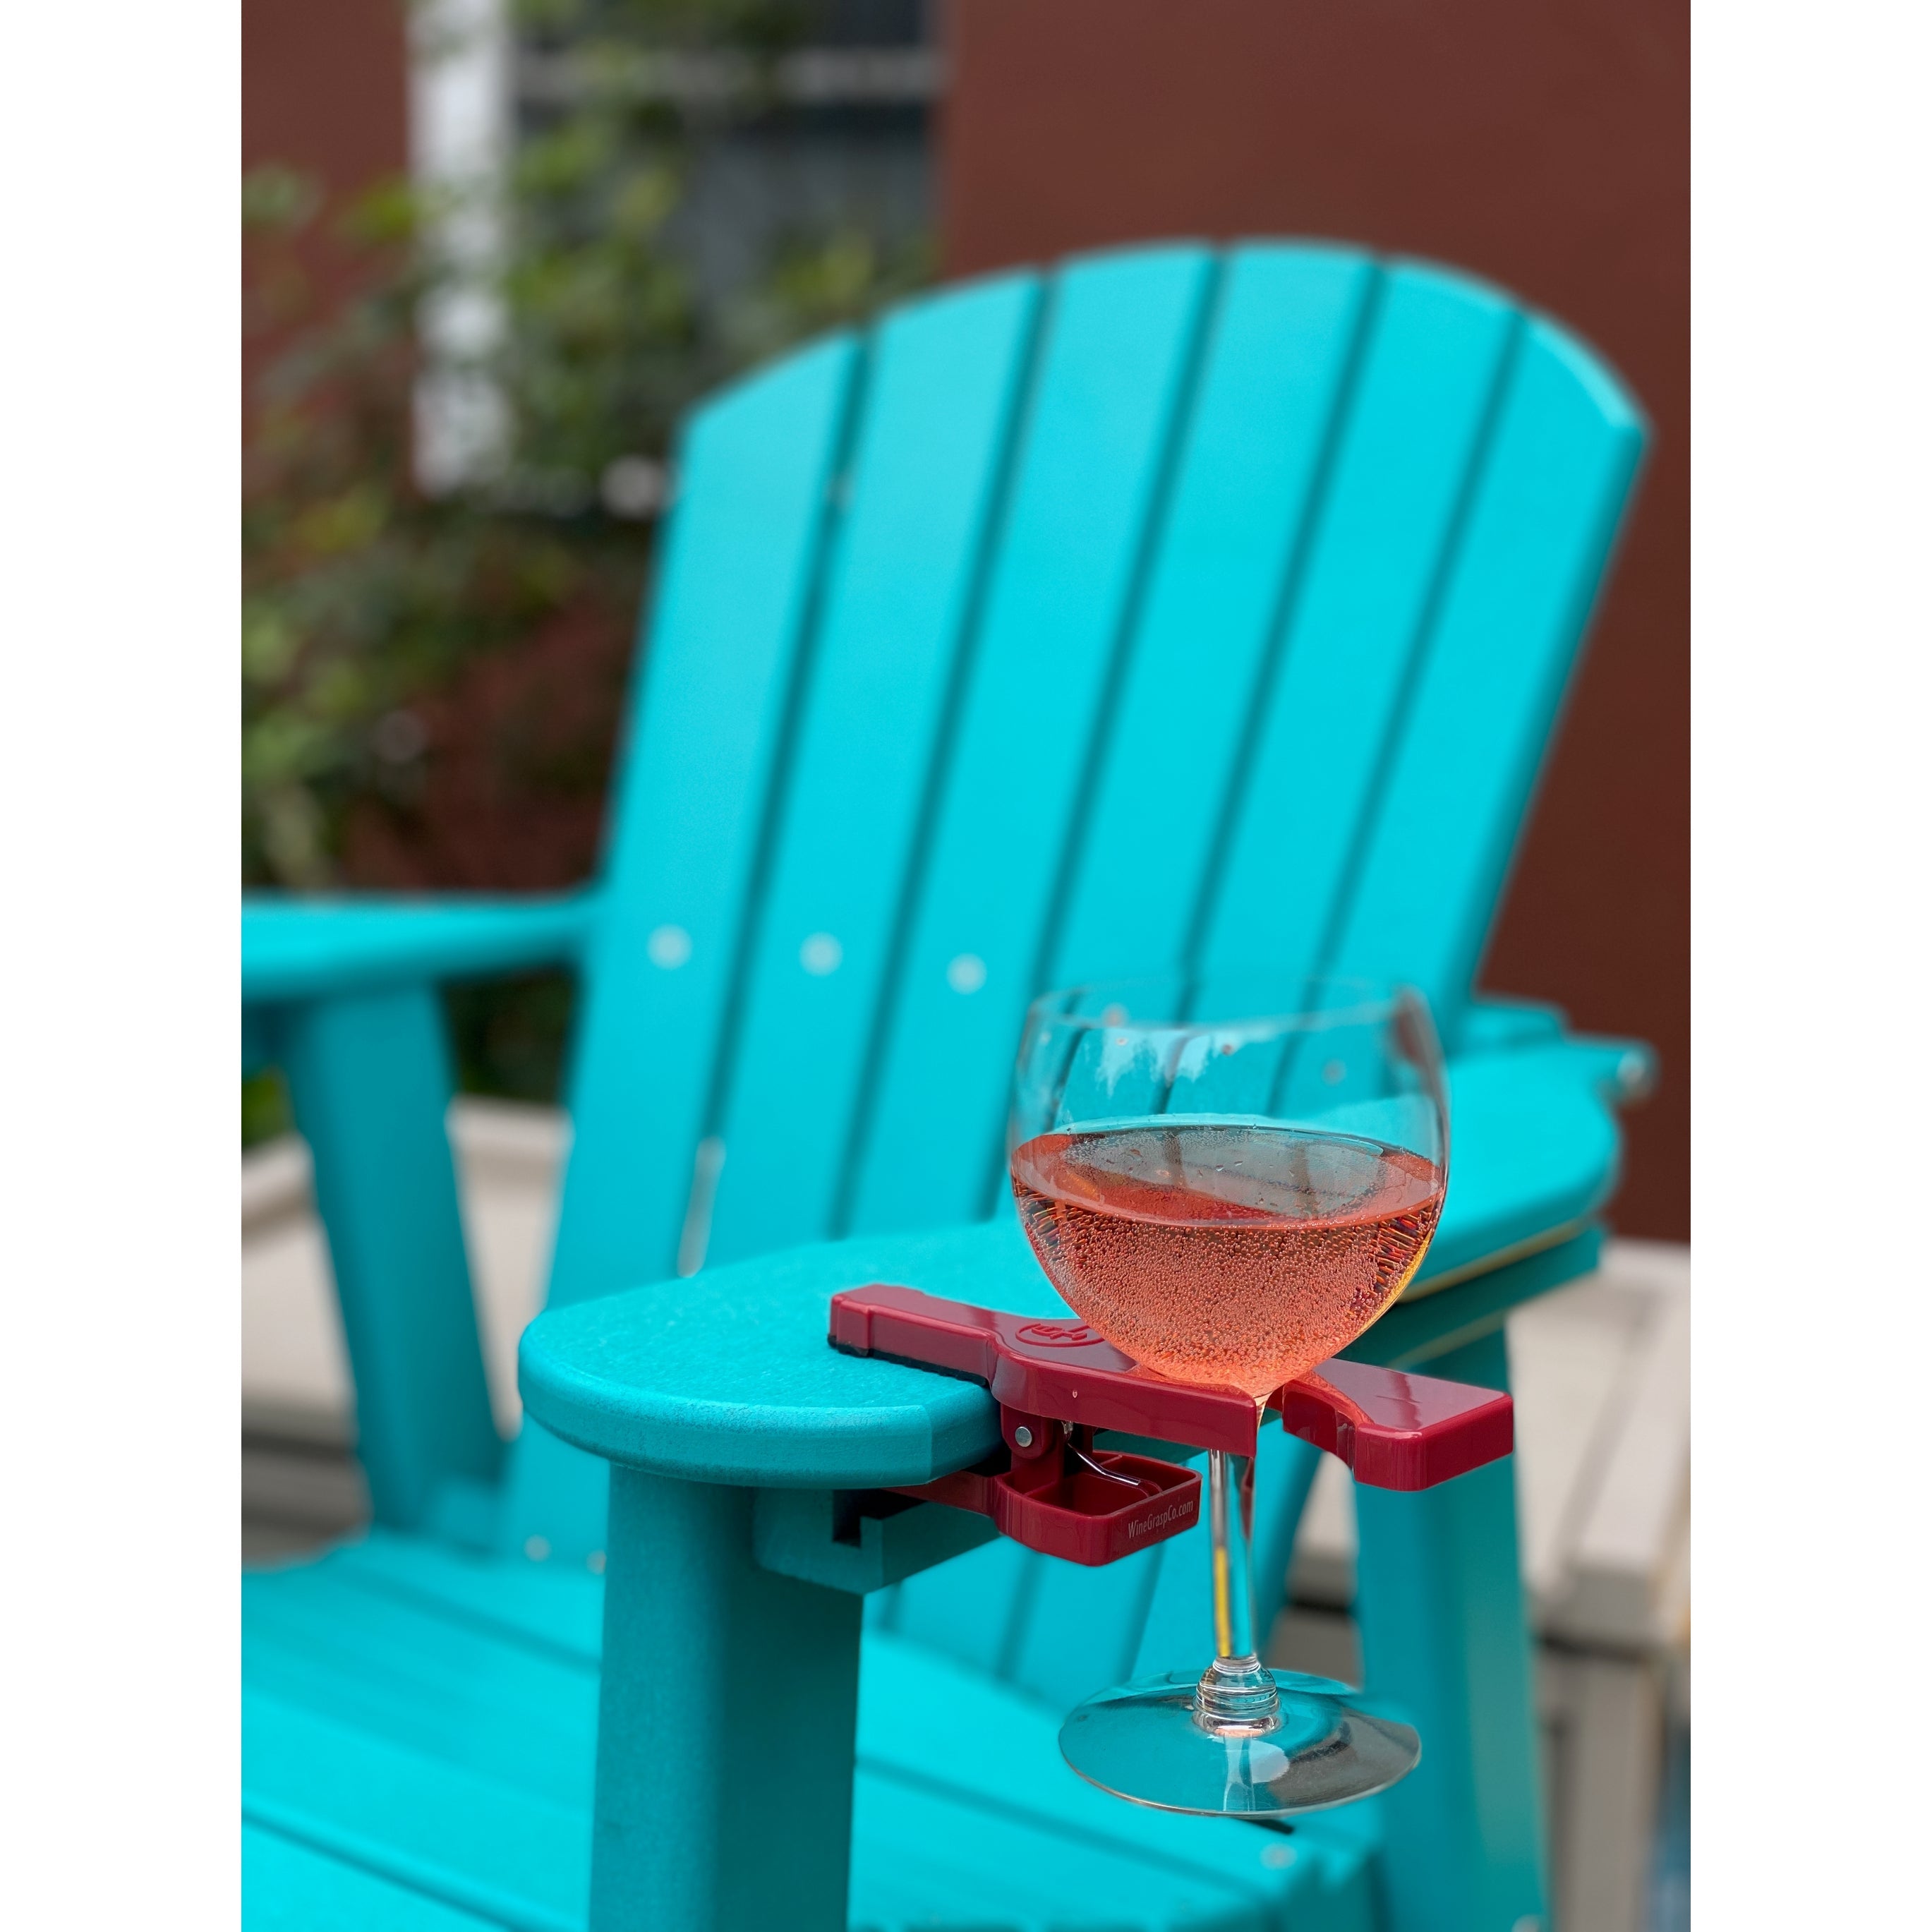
325	90
1546	147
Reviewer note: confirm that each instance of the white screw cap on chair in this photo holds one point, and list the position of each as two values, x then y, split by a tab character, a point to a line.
821	954
966	973
668	946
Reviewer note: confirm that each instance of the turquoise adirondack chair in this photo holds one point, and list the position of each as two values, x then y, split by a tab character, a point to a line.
1180	604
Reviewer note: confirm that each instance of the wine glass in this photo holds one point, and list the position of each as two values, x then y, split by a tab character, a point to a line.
1231	1175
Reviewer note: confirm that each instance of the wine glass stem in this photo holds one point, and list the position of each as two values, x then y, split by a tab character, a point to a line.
1228	1497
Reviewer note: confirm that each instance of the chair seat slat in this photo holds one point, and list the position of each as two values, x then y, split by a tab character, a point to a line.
292	1887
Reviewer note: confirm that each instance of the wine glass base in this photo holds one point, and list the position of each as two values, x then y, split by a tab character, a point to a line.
1144	1742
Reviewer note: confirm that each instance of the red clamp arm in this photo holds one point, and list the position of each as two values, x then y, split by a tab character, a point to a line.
1060	1370
1396	1430
1056	1382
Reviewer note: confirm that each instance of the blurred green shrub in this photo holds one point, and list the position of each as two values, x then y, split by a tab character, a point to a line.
363	597
264	1107
431	681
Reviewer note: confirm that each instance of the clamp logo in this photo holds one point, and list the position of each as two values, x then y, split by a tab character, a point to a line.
1182	1512
1055	1334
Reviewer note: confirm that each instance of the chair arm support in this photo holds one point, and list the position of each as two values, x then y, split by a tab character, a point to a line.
299	949
341	993
370	1078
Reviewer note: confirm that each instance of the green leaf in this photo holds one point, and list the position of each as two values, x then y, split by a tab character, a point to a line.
279	198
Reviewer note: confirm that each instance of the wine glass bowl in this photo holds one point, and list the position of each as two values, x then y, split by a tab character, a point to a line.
1229	1198
1146	1233
1230	1176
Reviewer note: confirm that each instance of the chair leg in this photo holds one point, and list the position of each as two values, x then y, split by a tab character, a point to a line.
726	1725
369	1076
1444	1639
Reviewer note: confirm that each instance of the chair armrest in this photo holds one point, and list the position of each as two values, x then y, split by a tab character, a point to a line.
304	948
1535	1150
1491	1022
727	1377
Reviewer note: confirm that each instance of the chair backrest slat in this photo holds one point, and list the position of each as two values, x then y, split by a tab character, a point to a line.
716	682
940	398
1485	698
976	1608
1082	1628
1413	431
1283	342
1120	346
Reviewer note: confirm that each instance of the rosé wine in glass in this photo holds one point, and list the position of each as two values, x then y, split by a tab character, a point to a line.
1228	1253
